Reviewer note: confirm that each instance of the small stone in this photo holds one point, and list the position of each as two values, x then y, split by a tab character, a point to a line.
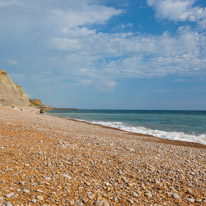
8	203
26	190
102	203
84	200
67	176
1	199
47	178
157	182
134	194
87	183
91	195
107	184
10	195
198	200
22	183
49	164
148	194
31	180
40	198
190	200
34	200
189	191
26	165
130	201
175	196
79	204
120	172
125	180
131	150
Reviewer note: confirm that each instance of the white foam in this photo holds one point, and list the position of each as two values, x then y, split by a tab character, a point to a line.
157	133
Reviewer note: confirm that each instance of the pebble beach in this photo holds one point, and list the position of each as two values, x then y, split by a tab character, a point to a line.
47	160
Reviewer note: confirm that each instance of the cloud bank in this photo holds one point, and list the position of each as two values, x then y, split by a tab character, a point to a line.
179	10
70	31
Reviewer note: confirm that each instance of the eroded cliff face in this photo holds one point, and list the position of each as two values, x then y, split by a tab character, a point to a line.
11	93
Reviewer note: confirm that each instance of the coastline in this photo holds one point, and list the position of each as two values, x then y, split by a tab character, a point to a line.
151	137
186	126
66	161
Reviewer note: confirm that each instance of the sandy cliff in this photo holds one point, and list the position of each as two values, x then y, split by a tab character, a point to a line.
11	93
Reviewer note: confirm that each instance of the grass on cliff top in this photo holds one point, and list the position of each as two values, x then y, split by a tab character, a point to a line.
34	103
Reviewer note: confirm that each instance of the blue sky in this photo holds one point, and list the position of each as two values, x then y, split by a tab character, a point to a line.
105	54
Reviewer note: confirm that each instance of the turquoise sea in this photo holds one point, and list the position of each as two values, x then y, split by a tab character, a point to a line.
175	125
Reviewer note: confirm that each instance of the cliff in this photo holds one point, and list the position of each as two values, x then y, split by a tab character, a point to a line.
36	102
11	93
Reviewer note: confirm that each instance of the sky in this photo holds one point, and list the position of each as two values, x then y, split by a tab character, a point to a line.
107	54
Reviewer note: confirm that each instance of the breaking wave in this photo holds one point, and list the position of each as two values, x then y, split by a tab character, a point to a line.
197	138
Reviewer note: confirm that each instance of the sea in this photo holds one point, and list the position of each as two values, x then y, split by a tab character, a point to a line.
174	125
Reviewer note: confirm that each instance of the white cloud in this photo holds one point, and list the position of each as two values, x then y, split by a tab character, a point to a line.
111	84
123	55
87	14
56	14
178	10
12	62
91	57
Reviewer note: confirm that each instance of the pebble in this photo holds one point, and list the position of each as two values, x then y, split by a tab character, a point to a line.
107	184
198	200
40	198
34	200
26	165
148	194
120	172
91	195
125	180
67	176
84	200
130	201
79	204
101	203
10	195
189	191
8	203
190	200
47	178
131	150
26	190
175	196
22	183
134	194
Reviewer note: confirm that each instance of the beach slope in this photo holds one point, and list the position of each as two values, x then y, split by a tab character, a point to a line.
54	161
